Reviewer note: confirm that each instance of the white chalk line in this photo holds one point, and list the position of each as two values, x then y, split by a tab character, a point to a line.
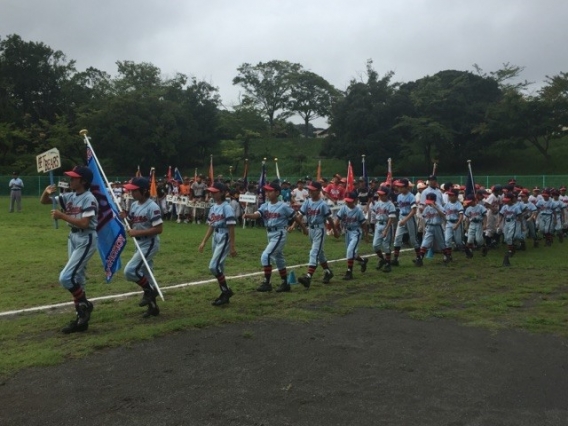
172	287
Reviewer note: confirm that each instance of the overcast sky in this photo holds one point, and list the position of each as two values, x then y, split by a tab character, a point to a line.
209	39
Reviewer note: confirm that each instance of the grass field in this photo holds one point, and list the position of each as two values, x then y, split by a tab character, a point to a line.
531	295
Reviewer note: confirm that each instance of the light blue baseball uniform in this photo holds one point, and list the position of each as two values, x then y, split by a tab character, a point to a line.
383	210
406	203
352	220
475	215
81	243
453	213
558	214
143	216
316	214
433	234
221	216
545	212
276	217
512	227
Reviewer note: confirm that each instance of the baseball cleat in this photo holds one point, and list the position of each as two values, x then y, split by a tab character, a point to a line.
283	288
395	262
484	251
305	280
418	261
223	299
327	276
264	287
348	276
364	265
152	311
506	261
387	268
382	262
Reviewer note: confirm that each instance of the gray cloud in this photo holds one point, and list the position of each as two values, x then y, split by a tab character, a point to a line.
333	38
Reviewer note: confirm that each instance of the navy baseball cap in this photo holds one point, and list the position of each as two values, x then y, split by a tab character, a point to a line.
402	183
137	183
272	186
383	190
81	172
432	177
217	187
314	186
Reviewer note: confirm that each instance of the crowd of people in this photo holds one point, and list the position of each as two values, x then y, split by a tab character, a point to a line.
425	215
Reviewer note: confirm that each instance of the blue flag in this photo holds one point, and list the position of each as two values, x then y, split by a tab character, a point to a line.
110	230
177	175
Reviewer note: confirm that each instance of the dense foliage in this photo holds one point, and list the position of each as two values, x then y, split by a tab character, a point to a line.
141	118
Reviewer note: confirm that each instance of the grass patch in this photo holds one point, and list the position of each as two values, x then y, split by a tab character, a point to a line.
531	295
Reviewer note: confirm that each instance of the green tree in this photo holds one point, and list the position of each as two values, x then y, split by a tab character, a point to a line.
267	87
311	97
32	76
362	121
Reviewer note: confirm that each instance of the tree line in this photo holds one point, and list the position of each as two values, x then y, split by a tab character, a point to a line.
142	118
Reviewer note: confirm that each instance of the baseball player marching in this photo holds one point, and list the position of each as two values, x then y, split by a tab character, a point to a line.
433	216
145	220
317	213
510	213
351	218
221	221
276	215
79	210
476	215
406	203
384	213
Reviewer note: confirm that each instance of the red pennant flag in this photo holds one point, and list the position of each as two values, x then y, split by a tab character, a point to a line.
350	178
211	174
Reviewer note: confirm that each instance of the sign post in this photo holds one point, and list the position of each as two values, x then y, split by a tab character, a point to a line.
246	198
47	162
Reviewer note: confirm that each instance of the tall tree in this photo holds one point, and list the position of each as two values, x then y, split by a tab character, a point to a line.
362	120
31	79
267	86
311	96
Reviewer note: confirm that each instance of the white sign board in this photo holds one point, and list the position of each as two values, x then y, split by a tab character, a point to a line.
48	161
245	198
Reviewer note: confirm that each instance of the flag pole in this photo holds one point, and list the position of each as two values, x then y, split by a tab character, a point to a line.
126	224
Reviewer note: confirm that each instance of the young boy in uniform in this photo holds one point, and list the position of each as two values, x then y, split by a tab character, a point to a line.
317	213
476	215
510	221
146	222
454	218
384	212
406	203
79	210
433	216
221	221
545	207
351	218
276	215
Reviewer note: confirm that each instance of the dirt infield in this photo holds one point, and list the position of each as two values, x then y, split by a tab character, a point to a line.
371	367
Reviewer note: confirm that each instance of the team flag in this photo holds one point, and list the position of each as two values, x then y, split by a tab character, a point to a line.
470	183
389	171
211	174
177	175
195	175
153	186
350	178
138	173
318	172
169	173
110	230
